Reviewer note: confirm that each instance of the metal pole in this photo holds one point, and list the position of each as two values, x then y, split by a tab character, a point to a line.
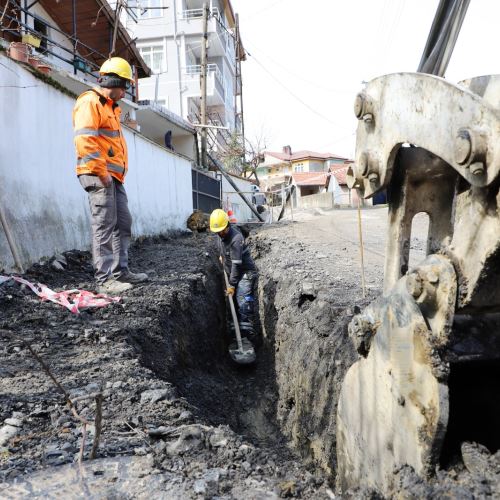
220	168
241	81
235	86
203	84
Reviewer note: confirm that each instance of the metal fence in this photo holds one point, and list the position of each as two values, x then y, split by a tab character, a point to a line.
207	191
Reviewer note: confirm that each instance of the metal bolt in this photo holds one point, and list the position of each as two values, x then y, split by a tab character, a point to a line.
368	118
373	178
414	285
463	147
358	106
477	168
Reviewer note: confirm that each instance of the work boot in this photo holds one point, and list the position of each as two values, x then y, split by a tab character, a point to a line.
128	276
113	287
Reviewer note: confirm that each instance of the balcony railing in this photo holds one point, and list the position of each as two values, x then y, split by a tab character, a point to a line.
54	50
195	69
189	14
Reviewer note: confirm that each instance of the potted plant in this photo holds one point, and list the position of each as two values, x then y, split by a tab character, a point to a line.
19	51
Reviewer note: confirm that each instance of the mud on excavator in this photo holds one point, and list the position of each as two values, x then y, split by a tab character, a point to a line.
428	376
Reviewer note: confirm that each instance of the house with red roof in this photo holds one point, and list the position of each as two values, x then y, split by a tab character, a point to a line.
277	168
342	194
308	183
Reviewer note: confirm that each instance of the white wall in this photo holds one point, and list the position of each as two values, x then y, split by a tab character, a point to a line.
232	201
45	206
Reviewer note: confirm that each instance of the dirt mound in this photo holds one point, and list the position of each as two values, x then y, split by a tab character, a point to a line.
171	394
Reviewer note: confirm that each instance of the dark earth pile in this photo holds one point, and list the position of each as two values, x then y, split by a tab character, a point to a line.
198	425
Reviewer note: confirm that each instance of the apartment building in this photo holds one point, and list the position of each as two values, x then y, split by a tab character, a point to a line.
169	38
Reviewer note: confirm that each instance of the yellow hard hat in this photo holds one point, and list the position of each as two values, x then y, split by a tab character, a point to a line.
218	220
118	66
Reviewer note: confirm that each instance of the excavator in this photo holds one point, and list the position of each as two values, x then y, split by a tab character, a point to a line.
427	379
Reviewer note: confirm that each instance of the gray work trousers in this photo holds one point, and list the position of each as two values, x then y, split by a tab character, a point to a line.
111	226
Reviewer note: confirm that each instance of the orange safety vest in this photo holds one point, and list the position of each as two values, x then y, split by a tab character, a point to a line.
99	142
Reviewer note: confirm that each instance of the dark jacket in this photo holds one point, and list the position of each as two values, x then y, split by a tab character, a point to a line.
236	256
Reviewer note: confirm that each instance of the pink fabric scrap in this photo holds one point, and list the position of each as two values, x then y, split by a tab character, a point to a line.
75	300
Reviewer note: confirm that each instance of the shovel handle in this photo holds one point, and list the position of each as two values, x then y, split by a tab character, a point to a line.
233	313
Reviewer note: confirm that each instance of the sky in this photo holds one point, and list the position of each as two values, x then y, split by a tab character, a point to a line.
307	60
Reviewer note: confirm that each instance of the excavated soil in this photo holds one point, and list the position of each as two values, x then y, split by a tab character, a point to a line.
174	407
179	419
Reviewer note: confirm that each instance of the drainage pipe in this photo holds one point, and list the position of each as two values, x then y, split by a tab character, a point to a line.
12	243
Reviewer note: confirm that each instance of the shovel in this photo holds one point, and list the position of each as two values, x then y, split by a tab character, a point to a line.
241	351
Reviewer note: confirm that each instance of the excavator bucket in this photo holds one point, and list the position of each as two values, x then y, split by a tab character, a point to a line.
428	374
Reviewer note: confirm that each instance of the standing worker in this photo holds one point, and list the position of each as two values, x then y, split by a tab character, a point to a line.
101	168
240	268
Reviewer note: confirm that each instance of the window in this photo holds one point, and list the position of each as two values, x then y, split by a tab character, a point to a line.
147	9
42	31
299	167
153	57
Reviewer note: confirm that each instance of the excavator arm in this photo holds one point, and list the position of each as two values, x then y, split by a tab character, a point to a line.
427	343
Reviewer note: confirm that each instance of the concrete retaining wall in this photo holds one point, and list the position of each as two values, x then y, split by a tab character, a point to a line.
44	205
321	200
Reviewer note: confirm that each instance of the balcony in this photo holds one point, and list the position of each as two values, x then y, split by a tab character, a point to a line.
220	42
215	83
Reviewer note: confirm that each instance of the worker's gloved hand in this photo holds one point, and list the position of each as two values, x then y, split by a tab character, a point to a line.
230	290
106	180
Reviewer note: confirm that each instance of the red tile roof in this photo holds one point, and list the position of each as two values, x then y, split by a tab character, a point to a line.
310	178
304	155
339	172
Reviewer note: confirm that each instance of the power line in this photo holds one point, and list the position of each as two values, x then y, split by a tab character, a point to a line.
294	95
294	74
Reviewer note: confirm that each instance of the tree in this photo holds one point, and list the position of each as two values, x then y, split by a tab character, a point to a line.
232	154
255	154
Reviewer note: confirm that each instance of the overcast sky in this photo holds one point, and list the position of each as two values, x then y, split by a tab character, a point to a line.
308	59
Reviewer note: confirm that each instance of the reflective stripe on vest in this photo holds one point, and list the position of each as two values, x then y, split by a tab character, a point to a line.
86	158
109	133
86	131
102	131
115	168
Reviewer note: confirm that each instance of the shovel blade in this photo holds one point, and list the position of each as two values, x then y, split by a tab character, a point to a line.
244	356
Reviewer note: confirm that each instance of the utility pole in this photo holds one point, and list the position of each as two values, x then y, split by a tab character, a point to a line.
239	80
203	84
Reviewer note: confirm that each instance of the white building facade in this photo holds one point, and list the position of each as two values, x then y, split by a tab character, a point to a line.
169	38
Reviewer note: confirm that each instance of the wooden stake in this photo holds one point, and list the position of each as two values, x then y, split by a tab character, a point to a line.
361	251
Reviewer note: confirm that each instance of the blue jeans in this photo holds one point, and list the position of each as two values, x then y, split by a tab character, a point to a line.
245	300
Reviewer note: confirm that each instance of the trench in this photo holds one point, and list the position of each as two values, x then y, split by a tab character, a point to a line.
286	403
190	350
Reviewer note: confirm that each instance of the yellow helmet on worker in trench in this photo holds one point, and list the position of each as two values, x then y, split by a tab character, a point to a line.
218	220
118	66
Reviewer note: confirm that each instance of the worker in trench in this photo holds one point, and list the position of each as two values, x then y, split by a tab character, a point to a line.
102	165
240	268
